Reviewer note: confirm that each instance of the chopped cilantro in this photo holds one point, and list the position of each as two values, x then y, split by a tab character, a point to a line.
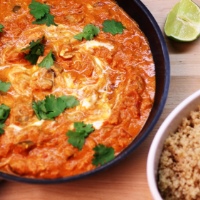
4	86
36	49
48	61
4	113
48	19
102	155
113	27
51	107
1	28
1	129
89	32
78	135
38	10
41	12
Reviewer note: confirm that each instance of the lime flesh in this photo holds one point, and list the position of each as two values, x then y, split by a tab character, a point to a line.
183	21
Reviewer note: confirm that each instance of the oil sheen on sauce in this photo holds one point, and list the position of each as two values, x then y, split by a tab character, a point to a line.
112	76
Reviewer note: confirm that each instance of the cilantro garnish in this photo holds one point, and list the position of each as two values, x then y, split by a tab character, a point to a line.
102	155
89	32
48	61
4	113
51	107
4	86
78	135
1	129
1	28
38	10
113	27
41	12
48	19
36	49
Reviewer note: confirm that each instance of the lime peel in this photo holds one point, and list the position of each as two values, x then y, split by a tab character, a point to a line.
183	21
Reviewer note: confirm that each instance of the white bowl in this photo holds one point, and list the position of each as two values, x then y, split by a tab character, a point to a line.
169	125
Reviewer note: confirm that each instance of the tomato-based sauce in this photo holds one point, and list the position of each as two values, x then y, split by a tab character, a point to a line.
111	76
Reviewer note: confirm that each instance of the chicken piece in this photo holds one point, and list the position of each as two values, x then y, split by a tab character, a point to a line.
19	77
43	79
22	111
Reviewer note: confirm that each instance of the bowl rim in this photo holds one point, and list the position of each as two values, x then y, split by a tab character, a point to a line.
131	147
181	110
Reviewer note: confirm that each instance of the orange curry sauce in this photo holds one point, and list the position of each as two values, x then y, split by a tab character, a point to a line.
112	76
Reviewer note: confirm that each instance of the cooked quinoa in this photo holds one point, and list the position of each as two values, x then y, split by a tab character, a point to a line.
179	167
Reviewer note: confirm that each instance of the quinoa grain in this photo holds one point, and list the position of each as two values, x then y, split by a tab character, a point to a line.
179	165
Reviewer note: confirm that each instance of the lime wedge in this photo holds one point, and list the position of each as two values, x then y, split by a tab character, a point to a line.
183	21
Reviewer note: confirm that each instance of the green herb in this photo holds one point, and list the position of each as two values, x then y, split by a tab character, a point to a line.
1	129
48	61
48	19
113	27
4	113
38	10
78	135
51	107
89	32
1	28
41	12
102	155
4	86
36	49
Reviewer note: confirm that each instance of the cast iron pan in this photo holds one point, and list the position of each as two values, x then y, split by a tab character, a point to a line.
137	10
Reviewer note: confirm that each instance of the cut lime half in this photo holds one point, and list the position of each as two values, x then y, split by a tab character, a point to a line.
183	21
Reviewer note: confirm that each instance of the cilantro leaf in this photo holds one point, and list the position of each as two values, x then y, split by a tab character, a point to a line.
89	32
113	27
1	129
36	49
4	113
78	135
48	61
38	10
102	155
4	86
48	19
34	44
41	12
1	28
51	107
70	101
